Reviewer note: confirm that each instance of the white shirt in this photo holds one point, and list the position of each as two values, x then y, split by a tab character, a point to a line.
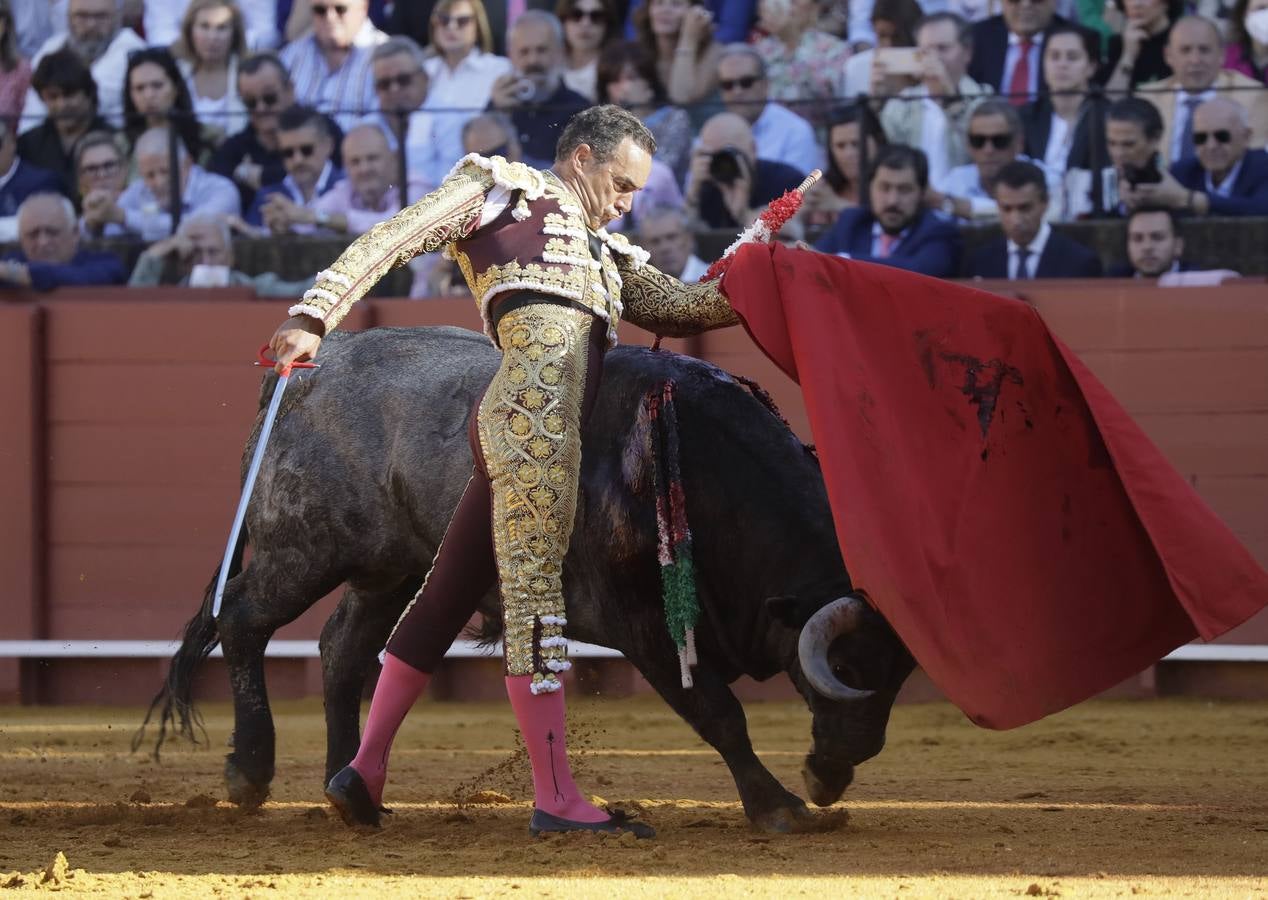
1182	118
33	22
206	194
933	126
693	270
585	81
1225	187
108	71
163	22
1010	63
783	136
346	93
227	113
966	182
1034	251
467	87
1060	136
430	149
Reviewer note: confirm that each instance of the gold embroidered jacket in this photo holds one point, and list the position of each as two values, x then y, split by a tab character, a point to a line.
539	241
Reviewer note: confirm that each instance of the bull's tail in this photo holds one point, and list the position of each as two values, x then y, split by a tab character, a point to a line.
198	639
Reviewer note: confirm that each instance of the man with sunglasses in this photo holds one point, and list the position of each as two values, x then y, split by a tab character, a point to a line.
1225	178
331	66
432	144
780	134
250	157
306	146
995	138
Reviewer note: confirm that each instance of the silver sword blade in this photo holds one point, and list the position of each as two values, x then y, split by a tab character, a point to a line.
247	487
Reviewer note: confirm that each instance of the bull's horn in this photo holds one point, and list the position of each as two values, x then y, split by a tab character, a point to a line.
825	626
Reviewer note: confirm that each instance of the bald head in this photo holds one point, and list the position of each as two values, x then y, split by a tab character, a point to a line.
1195	53
1221	134
727	129
370	163
47	229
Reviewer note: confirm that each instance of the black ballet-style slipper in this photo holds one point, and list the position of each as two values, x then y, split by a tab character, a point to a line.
618	822
348	793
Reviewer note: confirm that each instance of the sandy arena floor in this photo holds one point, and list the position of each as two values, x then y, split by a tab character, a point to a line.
1164	798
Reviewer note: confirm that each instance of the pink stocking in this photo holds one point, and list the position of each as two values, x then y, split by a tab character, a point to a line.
399	686
541	721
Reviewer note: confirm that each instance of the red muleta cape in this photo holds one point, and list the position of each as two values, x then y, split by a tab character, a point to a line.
1027	541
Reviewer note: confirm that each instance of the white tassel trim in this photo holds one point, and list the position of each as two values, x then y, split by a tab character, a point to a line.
555	642
621	244
553	620
569	210
337	277
303	309
316	293
521	212
534	187
565	259
561	231
548	686
558	665
757	232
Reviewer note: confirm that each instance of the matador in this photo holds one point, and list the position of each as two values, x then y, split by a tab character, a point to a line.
552	285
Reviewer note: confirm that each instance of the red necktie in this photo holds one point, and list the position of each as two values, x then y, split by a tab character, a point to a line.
887	243
1019	84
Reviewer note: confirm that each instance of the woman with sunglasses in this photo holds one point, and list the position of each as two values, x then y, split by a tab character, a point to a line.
15	71
803	64
461	65
627	77
588	25
678	35
155	96
212	41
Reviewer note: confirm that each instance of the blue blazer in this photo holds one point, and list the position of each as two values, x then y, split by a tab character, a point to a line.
932	245
1062	258
27	180
1249	196
87	267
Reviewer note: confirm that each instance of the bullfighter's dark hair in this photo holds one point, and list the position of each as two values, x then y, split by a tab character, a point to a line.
603	128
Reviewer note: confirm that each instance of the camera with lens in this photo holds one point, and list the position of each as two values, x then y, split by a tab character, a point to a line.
727	165
1146	174
525	90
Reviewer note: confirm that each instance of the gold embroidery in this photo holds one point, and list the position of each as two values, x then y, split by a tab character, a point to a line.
531	439
666	306
443	216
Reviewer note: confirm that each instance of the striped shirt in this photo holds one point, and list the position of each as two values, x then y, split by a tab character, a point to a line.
347	93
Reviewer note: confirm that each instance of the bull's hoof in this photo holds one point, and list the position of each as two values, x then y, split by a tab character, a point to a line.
242	790
800	820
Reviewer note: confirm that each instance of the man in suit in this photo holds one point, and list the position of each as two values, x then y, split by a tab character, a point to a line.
1195	51
50	257
1008	48
1224	178
901	232
1029	247
306	145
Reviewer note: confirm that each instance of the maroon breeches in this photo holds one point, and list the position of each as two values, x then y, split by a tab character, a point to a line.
465	567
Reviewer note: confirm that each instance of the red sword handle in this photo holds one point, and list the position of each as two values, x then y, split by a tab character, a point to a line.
264	360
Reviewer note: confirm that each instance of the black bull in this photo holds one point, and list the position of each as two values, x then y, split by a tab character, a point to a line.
366	463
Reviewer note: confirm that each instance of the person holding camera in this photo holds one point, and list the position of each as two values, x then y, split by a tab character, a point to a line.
728	185
1133	133
534	94
1225	178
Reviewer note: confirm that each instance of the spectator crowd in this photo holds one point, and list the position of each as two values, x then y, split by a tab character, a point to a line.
182	123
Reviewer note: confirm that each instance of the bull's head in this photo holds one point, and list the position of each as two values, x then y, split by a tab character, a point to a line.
849	666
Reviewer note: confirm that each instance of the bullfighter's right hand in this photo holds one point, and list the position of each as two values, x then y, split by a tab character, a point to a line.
296	340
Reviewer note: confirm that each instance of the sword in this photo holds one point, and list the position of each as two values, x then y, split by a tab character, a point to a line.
254	470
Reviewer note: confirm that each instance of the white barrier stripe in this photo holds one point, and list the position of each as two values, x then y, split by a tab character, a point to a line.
87	649
464	649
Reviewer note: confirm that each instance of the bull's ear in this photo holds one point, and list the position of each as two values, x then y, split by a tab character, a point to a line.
783	610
